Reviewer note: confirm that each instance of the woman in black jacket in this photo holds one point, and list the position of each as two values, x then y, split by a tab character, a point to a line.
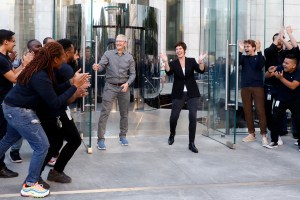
184	89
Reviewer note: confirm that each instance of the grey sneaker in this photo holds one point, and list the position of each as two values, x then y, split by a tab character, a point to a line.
123	141
58	177
101	145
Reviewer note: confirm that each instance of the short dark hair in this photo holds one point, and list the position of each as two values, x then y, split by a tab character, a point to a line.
5	35
46	40
182	44
276	34
292	57
29	43
66	43
251	42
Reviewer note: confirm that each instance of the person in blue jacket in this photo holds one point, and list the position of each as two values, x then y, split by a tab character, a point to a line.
35	83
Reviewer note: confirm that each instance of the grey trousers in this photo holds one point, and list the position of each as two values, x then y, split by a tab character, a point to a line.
110	93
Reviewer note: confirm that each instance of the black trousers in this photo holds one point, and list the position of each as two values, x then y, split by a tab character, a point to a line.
56	137
3	128
279	111
177	104
271	94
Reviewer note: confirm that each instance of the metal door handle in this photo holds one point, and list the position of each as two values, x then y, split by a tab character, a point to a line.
83	67
237	77
96	77
226	76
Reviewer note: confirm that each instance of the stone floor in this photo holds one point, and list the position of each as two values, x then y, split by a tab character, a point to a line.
151	169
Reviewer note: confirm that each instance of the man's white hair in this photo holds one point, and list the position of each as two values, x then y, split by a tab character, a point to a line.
121	37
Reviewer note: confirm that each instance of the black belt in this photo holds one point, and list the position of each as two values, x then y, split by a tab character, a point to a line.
117	84
272	86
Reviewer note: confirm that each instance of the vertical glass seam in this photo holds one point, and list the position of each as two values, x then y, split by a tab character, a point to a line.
53	18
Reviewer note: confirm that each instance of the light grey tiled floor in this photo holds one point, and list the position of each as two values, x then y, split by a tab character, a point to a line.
150	169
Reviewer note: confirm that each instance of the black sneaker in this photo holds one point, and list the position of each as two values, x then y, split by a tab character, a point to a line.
58	177
295	135
15	157
7	173
43	183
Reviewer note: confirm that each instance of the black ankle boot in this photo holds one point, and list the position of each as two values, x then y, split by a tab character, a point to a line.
171	139
193	148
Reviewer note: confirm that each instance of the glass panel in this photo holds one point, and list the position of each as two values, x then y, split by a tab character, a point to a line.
93	26
174	25
218	90
19	17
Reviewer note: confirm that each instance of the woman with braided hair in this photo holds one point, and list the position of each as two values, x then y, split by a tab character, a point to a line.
36	83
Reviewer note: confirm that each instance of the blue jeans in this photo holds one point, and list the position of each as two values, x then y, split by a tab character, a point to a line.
24	123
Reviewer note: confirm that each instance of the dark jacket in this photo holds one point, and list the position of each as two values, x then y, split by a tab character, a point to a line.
188	79
39	88
276	57
252	73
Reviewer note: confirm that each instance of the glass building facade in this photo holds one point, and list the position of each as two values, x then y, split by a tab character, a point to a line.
153	26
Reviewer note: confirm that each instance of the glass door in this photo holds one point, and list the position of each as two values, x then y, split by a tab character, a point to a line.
220	85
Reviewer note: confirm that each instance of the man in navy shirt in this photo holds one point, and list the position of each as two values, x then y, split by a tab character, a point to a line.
288	95
8	76
58	123
252	87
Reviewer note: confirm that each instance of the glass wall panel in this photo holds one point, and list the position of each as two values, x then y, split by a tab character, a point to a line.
19	17
174	24
221	79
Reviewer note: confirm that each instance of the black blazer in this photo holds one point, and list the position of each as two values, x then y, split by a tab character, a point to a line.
188	79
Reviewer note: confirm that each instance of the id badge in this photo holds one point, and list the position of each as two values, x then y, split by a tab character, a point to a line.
68	112
58	122
277	103
269	95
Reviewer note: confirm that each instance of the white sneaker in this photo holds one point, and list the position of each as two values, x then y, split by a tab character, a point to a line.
271	145
264	141
280	142
296	143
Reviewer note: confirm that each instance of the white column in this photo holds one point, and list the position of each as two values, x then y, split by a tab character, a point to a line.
43	19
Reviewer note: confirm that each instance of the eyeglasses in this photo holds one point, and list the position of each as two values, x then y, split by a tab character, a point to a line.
120	41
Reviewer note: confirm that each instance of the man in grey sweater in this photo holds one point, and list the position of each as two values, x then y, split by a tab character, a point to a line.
120	73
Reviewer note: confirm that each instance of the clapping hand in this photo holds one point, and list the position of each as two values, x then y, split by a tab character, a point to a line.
272	69
202	57
80	79
279	75
27	58
281	34
163	57
258	45
289	30
12	56
241	46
